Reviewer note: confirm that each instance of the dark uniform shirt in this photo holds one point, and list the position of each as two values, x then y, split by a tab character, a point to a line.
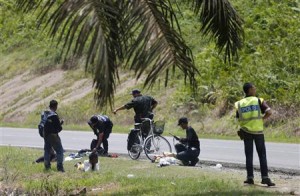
191	139
142	106
103	125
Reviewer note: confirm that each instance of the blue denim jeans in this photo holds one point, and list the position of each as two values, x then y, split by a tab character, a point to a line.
259	141
53	140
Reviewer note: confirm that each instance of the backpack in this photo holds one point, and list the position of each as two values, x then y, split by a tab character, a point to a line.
44	117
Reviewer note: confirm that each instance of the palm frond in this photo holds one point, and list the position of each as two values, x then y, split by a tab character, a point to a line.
89	27
157	46
221	21
28	5
142	34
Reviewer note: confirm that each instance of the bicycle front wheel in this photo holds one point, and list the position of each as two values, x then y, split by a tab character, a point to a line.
155	146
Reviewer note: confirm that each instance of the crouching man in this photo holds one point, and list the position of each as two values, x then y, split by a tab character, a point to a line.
188	149
102	127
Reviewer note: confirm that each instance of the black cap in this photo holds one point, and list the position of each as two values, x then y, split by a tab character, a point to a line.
182	120
94	119
135	91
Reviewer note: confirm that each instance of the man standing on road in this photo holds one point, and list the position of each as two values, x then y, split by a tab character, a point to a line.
52	140
188	149
251	111
102	127
143	106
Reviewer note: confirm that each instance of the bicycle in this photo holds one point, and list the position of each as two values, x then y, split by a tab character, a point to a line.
147	136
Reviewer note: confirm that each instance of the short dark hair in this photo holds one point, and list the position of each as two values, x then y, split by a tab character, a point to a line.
93	156
93	159
183	120
247	86
53	103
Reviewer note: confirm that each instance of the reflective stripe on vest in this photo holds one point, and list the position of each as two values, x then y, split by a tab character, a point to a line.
250	116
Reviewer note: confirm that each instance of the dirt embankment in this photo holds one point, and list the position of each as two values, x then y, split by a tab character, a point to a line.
28	92
25	92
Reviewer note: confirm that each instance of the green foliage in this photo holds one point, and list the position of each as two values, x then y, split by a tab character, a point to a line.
269	59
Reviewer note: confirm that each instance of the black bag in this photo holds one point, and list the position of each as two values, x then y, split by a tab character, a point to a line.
42	123
132	138
41	130
100	150
241	134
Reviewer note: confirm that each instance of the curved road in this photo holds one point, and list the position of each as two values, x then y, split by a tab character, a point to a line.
280	155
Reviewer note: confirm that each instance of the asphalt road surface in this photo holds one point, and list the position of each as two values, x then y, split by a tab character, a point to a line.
279	155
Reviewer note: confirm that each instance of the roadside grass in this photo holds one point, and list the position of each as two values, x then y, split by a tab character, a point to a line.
19	173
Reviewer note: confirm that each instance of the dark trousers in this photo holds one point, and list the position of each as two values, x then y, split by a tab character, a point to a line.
186	154
259	141
138	117
105	141
53	141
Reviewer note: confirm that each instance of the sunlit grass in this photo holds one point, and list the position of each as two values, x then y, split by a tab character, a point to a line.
18	171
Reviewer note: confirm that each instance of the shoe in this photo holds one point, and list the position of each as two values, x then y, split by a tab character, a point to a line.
105	154
267	181
184	163
47	169
249	181
61	170
194	162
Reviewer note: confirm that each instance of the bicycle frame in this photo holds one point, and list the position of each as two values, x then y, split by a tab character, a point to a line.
150	134
153	143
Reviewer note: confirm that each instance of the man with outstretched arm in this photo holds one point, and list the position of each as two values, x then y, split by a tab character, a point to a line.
143	106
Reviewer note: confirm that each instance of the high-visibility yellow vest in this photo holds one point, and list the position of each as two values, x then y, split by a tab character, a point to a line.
250	115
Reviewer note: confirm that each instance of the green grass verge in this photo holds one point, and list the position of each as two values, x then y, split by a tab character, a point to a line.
19	173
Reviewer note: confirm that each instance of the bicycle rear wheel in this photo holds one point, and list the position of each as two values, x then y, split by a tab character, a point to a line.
136	148
155	146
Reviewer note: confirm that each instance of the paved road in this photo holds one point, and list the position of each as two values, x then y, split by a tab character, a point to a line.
280	155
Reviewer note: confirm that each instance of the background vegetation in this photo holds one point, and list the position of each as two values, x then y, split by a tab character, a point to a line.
269	58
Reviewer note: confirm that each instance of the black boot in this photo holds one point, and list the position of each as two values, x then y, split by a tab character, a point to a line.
267	181
60	168
249	181
47	166
194	162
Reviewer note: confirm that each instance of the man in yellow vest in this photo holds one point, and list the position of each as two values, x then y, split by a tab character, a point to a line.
251	111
